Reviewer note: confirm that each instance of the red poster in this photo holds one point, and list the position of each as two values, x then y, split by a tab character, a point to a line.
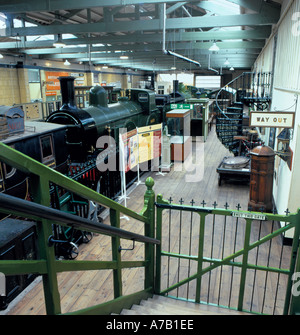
156	143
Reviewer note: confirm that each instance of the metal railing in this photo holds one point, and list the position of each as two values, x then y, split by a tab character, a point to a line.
228	258
232	119
47	265
249	87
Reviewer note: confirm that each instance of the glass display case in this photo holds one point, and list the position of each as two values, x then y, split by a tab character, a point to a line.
199	117
179	122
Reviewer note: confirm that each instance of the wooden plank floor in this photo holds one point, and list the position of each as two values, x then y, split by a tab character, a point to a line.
83	289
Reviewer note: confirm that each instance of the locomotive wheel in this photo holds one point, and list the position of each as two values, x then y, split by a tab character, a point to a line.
72	251
130	125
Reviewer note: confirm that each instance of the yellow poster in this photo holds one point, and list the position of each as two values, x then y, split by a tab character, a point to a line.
145	147
149	142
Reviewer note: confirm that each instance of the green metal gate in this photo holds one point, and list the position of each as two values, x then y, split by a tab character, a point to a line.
228	258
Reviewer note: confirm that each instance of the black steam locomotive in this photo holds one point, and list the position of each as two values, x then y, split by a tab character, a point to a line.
86	125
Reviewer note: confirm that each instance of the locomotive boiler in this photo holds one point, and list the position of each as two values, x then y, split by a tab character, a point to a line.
85	126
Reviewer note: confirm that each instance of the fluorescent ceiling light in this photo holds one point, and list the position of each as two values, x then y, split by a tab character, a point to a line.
173	68
1	56
59	44
123	57
214	47
104	67
67	62
182	57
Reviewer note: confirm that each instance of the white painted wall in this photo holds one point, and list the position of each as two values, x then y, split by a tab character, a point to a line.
285	97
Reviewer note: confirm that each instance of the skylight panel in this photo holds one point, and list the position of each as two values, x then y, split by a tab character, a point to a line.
232	7
40	38
2	21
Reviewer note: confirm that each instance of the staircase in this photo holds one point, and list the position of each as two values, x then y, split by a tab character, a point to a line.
159	305
234	101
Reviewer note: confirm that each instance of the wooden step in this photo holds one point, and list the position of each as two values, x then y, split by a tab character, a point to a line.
159	305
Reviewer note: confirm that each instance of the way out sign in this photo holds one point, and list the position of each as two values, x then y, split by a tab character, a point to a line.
272	119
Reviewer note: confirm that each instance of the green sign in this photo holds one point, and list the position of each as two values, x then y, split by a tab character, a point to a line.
182	106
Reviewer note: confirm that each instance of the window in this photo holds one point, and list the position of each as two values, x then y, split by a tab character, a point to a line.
96	78
208	81
143	97
33	75
47	148
161	89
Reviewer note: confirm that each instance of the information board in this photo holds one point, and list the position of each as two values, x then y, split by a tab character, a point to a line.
141	145
149	142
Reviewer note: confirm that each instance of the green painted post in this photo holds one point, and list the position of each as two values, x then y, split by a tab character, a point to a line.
149	204
41	195
159	211
292	301
200	255
244	264
116	255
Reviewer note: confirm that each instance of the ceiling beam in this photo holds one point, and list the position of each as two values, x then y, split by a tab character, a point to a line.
168	64
218	9
66	50
144	25
153	56
260	33
20	6
259	6
174	7
182	46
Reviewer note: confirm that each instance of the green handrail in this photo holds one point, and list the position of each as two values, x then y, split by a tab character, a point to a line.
36	212
47	265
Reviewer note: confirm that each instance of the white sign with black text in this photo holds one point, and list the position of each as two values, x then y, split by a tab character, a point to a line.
272	119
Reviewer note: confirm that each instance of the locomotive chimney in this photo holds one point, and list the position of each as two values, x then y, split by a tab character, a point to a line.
67	92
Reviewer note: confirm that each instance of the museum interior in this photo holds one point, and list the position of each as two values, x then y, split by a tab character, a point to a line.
148	158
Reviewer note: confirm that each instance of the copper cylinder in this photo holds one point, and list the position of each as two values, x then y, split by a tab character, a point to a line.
261	179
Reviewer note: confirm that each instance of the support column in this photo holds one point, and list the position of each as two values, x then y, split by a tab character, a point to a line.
23	84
